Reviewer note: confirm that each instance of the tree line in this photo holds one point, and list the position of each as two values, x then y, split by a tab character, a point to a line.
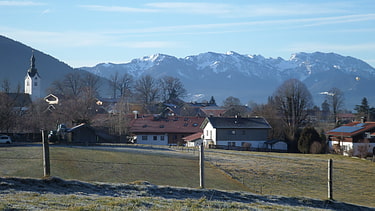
288	109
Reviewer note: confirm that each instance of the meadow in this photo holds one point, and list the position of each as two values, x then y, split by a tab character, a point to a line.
281	174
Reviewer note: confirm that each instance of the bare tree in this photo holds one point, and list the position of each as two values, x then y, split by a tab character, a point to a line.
5	86
72	84
231	101
91	82
335	98
113	83
7	114
125	85
147	89
171	88
292	99
269	112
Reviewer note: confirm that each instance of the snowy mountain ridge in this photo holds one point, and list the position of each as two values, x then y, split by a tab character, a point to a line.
250	76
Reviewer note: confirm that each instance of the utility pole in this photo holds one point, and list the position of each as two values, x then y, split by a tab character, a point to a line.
201	165
330	179
46	161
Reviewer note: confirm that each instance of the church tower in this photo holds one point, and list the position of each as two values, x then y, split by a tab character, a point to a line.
33	81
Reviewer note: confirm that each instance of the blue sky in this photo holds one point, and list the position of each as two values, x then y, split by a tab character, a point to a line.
85	33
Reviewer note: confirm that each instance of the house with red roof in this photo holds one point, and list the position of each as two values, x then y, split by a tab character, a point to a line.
193	140
161	129
355	138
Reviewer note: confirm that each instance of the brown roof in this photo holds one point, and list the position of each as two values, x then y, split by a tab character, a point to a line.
213	111
352	129
170	124
193	137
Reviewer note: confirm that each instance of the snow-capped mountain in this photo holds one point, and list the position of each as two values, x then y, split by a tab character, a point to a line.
254	77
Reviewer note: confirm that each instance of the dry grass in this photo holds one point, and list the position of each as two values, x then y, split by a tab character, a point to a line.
109	166
292	175
296	175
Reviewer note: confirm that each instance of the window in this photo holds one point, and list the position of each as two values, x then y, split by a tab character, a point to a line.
231	144
244	132
35	83
144	138
162	138
155	138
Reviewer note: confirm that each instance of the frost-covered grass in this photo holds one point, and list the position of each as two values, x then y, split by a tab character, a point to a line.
296	175
57	194
112	166
281	174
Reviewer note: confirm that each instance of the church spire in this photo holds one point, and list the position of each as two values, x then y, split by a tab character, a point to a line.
32	71
32	61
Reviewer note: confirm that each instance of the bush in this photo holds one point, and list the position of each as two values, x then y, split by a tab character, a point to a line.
307	138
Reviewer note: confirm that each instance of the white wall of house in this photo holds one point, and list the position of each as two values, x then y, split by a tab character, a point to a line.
209	134
155	139
254	144
357	148
279	146
194	143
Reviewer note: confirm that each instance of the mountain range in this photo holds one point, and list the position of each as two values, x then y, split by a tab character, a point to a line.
253	78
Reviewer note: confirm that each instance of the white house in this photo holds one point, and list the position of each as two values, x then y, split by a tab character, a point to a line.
355	138
193	140
222	132
163	129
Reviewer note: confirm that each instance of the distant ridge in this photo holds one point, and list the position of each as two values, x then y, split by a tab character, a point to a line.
254	77
251	78
15	61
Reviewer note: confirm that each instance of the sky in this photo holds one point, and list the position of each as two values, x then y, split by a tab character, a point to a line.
88	32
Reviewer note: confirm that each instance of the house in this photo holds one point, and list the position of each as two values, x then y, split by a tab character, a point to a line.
193	140
235	132
161	129
276	145
214	111
82	133
355	138
20	101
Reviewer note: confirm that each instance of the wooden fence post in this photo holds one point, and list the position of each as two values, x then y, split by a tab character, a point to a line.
46	161
330	179
201	165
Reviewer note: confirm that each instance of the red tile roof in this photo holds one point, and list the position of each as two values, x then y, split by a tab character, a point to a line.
193	137
352	129
171	124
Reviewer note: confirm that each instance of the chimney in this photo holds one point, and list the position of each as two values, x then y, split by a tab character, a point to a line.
363	119
135	114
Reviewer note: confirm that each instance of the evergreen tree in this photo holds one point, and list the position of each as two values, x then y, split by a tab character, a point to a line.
363	109
308	136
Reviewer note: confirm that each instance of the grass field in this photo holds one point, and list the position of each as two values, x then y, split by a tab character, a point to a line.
108	166
297	175
292	175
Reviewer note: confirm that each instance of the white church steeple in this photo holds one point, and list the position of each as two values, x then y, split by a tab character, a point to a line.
33	81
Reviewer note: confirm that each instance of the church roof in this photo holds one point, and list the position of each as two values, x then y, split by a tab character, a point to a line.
32	70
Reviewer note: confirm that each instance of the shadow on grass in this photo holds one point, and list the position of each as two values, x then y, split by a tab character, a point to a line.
54	185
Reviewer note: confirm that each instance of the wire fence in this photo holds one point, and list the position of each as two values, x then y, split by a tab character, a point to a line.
262	173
